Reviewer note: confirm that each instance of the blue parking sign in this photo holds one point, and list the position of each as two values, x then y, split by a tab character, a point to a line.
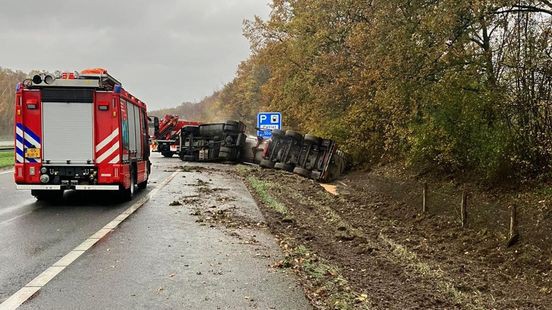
268	121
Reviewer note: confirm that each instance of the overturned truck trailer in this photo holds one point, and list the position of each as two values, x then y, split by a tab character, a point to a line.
212	142
306	155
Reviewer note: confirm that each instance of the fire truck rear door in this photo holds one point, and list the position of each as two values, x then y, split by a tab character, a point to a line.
67	126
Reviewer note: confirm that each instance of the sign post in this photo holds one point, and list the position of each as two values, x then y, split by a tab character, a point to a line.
268	121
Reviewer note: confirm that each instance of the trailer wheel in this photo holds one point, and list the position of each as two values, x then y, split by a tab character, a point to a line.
188	158
168	154
313	139
283	166
266	163
294	135
302	172
278	133
232	126
225	153
315	175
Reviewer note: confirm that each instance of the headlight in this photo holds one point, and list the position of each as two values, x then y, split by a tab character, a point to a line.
43	170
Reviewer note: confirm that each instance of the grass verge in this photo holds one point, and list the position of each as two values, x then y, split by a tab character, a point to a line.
261	188
6	159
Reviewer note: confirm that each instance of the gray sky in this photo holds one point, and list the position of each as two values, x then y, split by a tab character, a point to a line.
163	51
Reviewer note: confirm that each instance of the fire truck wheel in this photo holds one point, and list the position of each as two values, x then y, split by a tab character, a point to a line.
143	185
313	139
128	193
294	135
302	172
283	166
168	154
48	195
265	163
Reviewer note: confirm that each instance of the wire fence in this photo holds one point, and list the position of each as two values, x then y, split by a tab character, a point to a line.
463	207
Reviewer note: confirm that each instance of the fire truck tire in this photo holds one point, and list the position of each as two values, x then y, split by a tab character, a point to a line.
302	172
294	135
313	139
128	193
168	154
47	195
283	166
143	185
278	133
265	163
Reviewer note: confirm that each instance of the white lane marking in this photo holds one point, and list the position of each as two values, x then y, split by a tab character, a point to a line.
107	140
6	172
21	296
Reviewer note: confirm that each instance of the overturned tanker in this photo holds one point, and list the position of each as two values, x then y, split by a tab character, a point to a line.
306	155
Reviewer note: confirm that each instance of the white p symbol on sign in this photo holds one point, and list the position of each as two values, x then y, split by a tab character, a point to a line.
263	118
274	119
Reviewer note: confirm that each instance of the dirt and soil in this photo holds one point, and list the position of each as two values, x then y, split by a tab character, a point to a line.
370	246
385	249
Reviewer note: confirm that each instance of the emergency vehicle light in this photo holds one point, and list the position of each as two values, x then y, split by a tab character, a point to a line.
37	79
49	79
117	88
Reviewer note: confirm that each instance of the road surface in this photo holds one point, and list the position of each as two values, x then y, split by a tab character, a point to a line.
160	256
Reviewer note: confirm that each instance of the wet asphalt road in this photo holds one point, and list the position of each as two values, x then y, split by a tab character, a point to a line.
160	257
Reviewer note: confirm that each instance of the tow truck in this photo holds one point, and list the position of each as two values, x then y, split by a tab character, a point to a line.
166	137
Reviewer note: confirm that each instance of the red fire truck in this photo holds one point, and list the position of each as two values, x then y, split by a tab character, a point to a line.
79	131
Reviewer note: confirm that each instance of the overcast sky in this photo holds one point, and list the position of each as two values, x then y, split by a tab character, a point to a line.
163	51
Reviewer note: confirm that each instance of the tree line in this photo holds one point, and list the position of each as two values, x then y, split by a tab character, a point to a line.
8	80
455	87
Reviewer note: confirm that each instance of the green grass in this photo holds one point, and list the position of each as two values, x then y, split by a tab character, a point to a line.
6	159
261	187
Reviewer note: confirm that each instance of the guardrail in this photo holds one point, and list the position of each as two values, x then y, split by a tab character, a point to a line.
6	148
